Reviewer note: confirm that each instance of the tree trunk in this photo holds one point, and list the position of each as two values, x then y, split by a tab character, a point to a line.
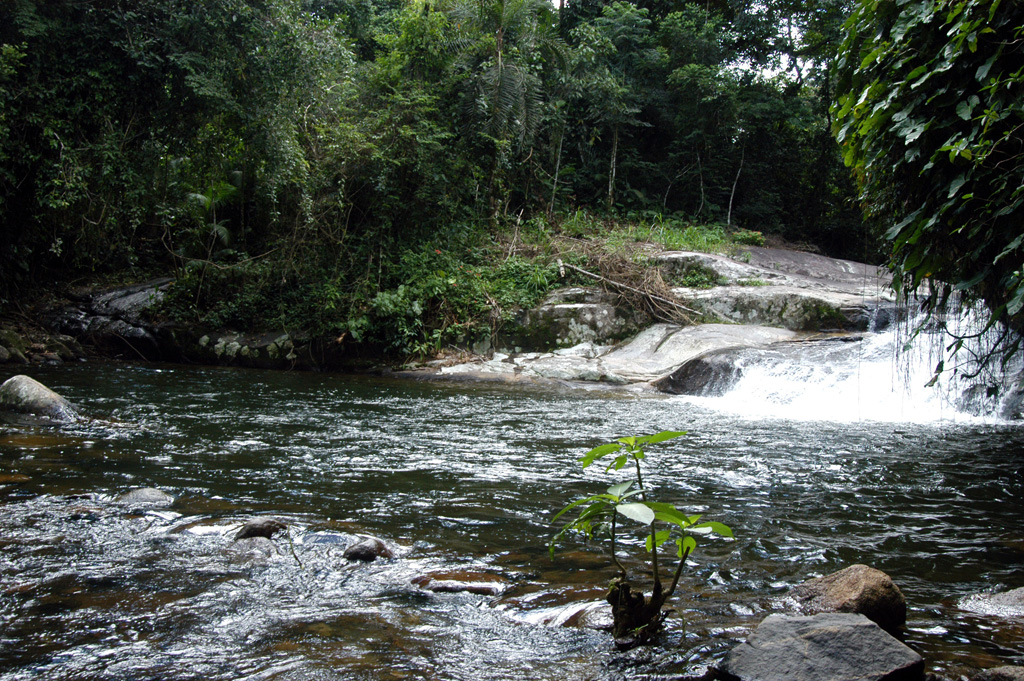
636	617
558	166
611	168
732	194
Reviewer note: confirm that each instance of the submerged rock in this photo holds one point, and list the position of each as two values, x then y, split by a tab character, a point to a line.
482	584
24	394
1007	604
585	615
146	496
261	527
251	550
368	550
856	589
833	646
1007	673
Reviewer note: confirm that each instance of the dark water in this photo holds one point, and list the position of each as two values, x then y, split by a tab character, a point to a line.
459	479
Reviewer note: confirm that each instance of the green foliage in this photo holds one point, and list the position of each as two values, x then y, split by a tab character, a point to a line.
601	516
295	154
930	118
695	275
747	237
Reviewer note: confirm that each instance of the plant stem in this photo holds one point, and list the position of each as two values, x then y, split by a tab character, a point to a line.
679	571
622	570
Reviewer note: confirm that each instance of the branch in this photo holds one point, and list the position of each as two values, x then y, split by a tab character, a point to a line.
563	265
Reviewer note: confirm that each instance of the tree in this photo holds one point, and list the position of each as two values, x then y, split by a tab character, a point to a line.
930	115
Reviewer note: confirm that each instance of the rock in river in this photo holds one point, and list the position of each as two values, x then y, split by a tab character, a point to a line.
368	550
1007	604
834	646
24	394
858	588
146	496
1000	674
261	527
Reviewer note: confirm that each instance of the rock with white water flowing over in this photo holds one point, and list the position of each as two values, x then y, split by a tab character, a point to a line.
24	394
857	589
368	550
833	646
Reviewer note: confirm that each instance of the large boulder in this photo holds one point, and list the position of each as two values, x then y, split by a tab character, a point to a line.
572	316
833	646
856	589
27	395
711	374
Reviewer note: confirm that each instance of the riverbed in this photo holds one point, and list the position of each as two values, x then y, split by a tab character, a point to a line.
462	481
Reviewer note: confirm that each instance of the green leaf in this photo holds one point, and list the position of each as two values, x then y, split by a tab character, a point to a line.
619	489
686	545
580	502
955	186
599	452
718	528
657	539
618	463
637	511
662	436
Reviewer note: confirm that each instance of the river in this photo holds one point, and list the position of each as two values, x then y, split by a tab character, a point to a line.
463	478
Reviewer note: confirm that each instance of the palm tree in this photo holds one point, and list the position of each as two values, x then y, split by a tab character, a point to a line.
503	46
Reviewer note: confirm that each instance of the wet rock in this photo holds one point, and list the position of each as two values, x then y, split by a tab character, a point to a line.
1008	604
368	550
146	496
261	527
482	584
572	316
24	394
711	374
834	646
788	289
587	615
1007	673
856	589
5	355
655	352
251	550
15	346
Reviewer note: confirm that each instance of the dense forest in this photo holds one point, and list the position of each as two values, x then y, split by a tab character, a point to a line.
354	166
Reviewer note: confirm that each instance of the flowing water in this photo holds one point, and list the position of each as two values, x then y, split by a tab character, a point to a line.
812	473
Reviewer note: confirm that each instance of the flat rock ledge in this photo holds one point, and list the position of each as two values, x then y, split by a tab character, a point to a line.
833	646
653	353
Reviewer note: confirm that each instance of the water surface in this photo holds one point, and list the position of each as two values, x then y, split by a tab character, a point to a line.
460	478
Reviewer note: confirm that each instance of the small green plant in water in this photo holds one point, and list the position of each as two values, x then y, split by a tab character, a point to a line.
637	617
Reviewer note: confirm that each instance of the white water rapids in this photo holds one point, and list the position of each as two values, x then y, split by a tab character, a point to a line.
879	377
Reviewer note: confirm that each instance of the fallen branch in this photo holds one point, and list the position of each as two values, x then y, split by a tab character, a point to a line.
650	297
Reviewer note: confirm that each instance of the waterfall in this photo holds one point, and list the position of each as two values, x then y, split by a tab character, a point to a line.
890	376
